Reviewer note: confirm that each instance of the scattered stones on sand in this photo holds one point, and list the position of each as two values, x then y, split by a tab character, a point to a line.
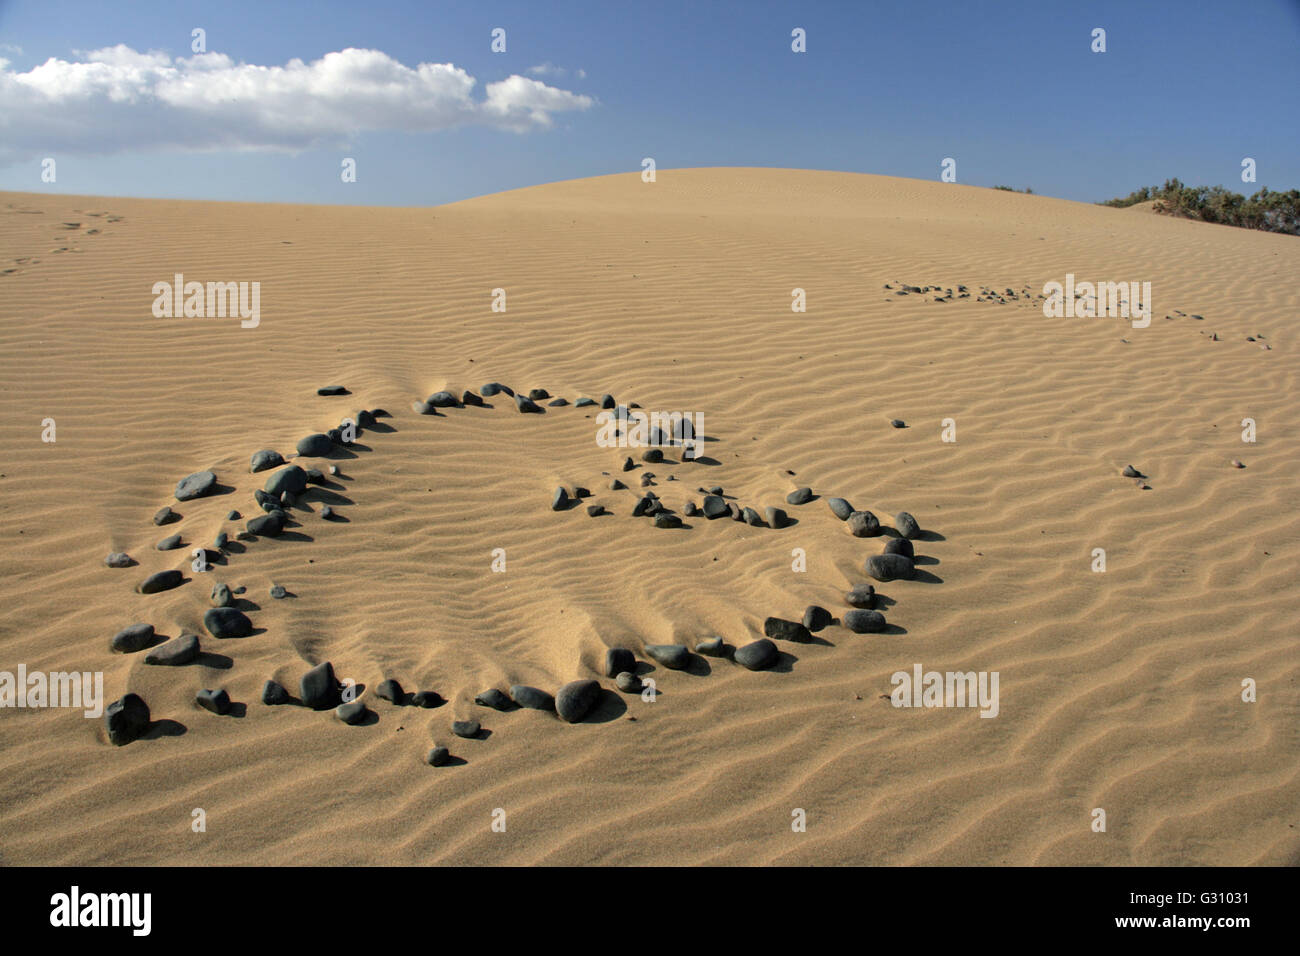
712	647
784	630
217	701
527	405
559	500
863	524
775	517
906	525
314	446
533	698
273	693
225	622
864	621
131	639
318	688
126	719
169	543
800	496
673	656
195	486
757	656
900	546
438	756
495	699
161	581
628	682
469	729
715	506
331	390
292	479
816	618
576	699
165	516
840	508
619	659
864	596
390	690
496	388
119	559
221	596
891	567
352	712
177	652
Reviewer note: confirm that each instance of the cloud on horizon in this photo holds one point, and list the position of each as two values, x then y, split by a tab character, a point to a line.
119	100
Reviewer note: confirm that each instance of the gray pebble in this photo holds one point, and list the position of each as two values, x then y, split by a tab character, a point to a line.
666	520
195	486
131	639
628	682
221	596
862	596
531	697
292	479
526	405
864	622
673	656
776	517
169	543
226	622
900	546
841	508
469	729
119	559
165	515
315	446
278	591
176	652
863	524
390	690
443	400
800	496
495	388
264	460
890	567
576	699
816	618
619	659
161	581
751	518
759	655
217	701
126	719
273	694
906	525
318	688
352	712
713	647
784	630
495	699
438	756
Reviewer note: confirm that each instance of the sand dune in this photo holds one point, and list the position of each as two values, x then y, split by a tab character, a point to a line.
1119	690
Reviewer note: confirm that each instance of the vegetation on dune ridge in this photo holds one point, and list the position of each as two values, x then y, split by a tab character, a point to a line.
1011	190
1267	210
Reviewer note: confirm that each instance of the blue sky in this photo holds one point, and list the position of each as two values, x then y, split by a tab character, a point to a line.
1011	91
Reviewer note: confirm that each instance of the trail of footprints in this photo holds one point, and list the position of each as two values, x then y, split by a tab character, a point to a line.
290	487
20	262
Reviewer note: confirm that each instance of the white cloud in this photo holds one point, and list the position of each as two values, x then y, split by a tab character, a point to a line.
117	100
550	69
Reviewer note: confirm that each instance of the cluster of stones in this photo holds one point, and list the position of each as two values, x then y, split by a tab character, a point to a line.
947	294
319	689
128	717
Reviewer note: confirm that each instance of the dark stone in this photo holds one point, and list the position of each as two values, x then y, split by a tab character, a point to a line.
558	403
864	622
423	408
616	485
628	682
559	500
161	581
267	525
165	515
493	698
641	506
527	404
291	479
691	509
863	524
119	559
890	567
898	423
776	517
584	402
438	756
273	694
531	697
863	595
227	622
713	647
390	690
278	591
1131	472
126	719
784	630
221	596
169	543
759	655
538	394
840	507
365	418
595	510
800	496
315	476
331	390
426	698
494	388
131	639
469	729
576	699
265	459
752	518
195	486
315	446
176	652
906	525
714	507
233	516
607	401
326	512
443	400
628	463
222	539
673	656
816	618
737	514
618	659
665	520
652	455
352	712
900	546
318	688
264	501
217	701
